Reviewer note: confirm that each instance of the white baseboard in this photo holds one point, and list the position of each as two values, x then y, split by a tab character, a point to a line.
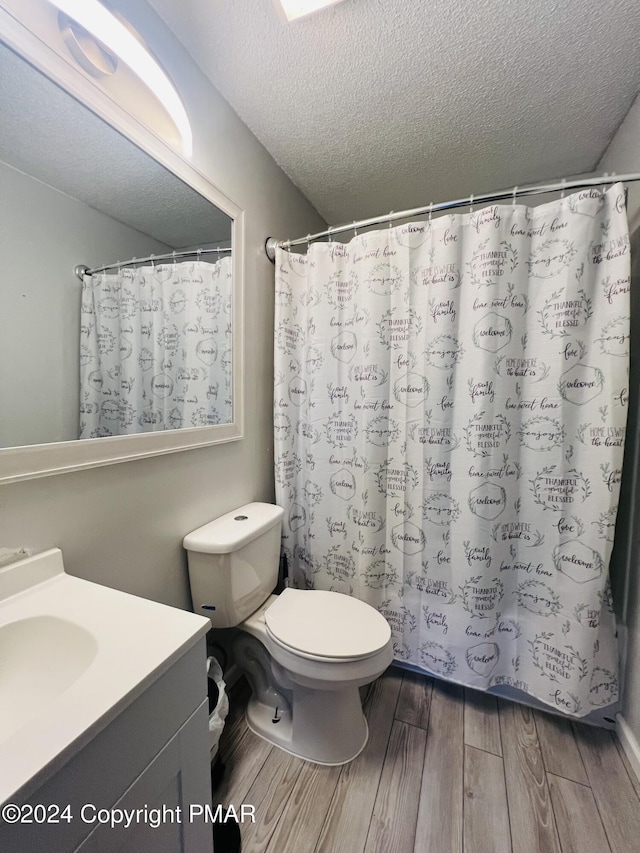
629	743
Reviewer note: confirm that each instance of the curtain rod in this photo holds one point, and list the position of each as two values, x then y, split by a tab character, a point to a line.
272	243
81	269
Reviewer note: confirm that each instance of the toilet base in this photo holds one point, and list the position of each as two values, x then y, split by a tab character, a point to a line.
326	727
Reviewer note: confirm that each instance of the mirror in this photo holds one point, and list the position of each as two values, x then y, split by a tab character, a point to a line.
75	190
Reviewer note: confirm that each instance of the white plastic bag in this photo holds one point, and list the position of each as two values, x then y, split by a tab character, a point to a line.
219	713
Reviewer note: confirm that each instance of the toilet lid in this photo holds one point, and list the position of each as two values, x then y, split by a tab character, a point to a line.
327	624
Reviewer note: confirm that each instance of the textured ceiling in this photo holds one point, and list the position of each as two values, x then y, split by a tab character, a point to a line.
50	136
373	105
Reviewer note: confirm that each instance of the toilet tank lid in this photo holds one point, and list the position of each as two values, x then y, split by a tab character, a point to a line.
233	530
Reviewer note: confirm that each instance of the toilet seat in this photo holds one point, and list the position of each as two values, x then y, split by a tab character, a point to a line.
326	626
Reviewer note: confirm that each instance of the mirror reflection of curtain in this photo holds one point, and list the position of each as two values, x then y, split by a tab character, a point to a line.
155	348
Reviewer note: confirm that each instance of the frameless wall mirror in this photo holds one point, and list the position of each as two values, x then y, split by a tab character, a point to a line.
140	358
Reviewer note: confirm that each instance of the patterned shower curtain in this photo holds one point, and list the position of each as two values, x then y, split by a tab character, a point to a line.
155	348
450	408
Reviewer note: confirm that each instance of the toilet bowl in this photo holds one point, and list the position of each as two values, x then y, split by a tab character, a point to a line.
305	652
317	713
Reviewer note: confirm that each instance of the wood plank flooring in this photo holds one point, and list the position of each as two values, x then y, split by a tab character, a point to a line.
446	770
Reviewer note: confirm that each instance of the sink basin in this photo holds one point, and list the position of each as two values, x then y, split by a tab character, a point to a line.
73	656
40	657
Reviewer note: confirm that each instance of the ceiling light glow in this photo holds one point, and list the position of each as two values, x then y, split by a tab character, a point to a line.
298	8
104	27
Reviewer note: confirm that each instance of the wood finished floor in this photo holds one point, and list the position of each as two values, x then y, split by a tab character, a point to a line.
446	770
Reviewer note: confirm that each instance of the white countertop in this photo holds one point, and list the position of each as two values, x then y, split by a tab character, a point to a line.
118	645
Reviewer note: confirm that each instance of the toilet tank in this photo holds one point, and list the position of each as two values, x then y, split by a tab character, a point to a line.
233	562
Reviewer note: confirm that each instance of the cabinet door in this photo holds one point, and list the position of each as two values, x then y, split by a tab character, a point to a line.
155	812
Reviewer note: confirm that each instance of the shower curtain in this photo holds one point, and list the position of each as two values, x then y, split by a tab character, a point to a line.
450	408
155	348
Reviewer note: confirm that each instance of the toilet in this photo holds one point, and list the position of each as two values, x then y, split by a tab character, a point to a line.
305	653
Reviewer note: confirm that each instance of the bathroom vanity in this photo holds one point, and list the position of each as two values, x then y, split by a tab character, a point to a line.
103	717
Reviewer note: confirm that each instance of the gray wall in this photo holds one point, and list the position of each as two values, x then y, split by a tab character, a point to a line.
623	155
45	233
122	525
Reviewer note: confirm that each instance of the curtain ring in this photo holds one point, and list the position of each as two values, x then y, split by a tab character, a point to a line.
430	210
603	185
515	193
564	181
308	242
198	253
174	257
329	234
390	215
152	264
471	203
355	230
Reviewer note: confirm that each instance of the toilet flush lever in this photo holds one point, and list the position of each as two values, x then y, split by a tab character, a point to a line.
276	718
